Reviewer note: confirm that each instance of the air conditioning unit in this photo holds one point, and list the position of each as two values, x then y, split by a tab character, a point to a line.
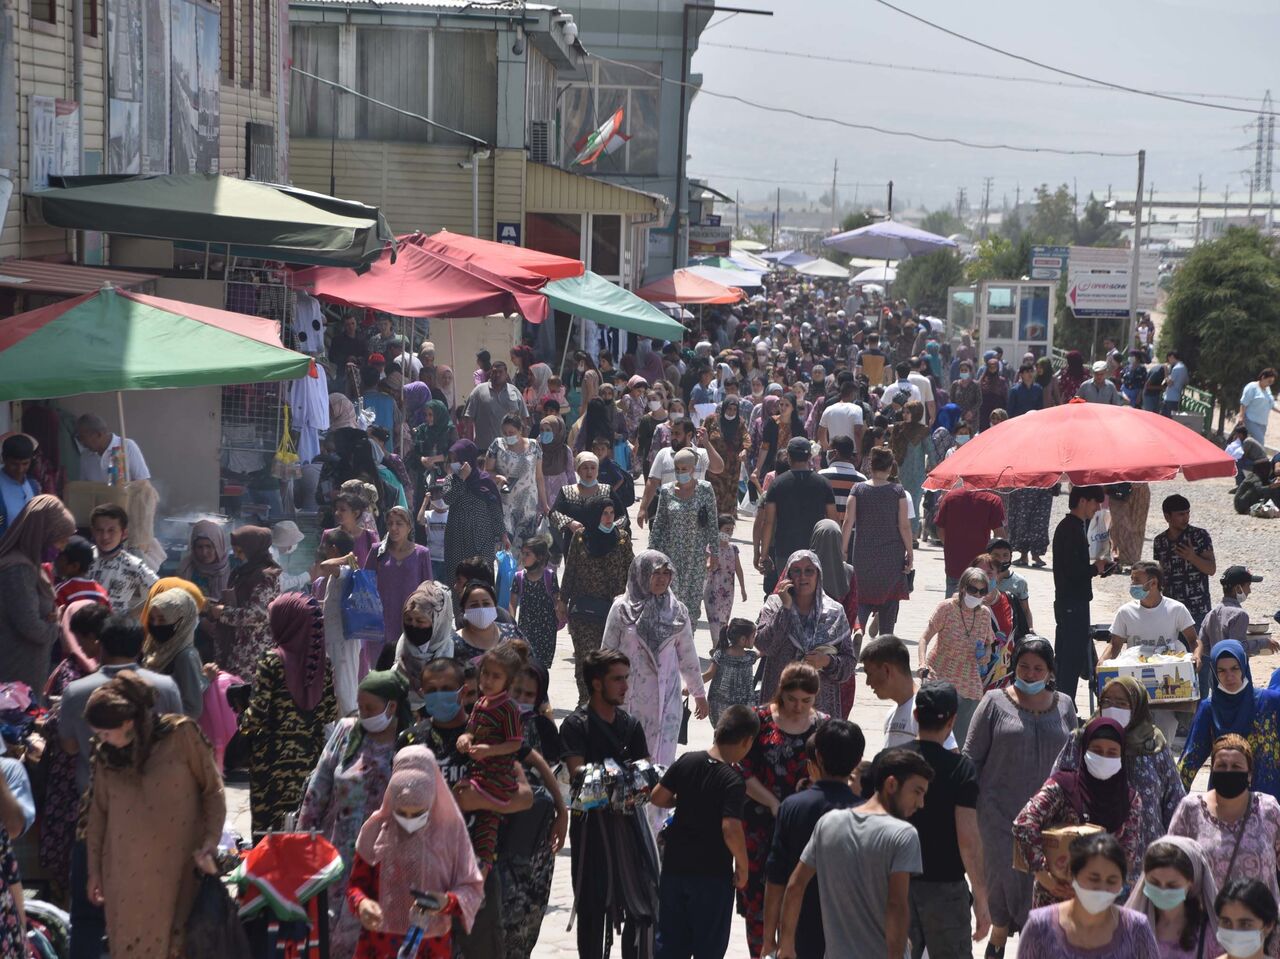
540	141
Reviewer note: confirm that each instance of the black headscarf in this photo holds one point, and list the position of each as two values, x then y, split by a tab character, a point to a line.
480	483
598	543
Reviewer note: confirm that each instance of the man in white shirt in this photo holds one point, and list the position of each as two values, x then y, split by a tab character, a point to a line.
903	370
663	470
887	663
843	418
99	446
921	382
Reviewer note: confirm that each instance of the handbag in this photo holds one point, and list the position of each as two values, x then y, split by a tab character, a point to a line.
686	712
591	607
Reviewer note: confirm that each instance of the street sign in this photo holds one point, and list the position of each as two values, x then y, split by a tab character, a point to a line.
509	233
1098	281
1048	262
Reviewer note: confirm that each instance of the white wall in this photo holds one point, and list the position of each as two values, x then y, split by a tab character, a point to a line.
497	334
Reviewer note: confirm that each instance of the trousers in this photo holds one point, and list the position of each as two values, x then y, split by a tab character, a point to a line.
1071	645
694	916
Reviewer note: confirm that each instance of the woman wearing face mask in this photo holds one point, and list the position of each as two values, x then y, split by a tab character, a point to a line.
417	840
476	524
431	442
480	631
347	785
292	702
1238	827
634	404
776	434
597	564
568	515
426	634
1177	894
727	435
1235	706
994	387
654	417
684	528
170	646
557	459
1088	922
516	463
1098	793
967	394
958	644
1149	765
244	632
1013	739
1247	916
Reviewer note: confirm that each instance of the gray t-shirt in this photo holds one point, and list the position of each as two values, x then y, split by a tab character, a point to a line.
487	406
71	722
854	854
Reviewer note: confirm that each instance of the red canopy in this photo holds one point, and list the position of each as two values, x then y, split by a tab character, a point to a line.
685	287
1089	443
425	282
499	258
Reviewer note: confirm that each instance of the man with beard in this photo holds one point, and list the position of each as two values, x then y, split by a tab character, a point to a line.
864	859
663	470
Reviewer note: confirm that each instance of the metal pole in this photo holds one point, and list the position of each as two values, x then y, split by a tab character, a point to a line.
333	145
475	195
682	201
568	339
886	259
124	450
1136	264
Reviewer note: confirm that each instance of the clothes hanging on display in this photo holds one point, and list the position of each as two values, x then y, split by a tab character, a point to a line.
308	324
309	410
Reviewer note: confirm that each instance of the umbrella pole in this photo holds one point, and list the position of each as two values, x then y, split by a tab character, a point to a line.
568	338
453	358
124	453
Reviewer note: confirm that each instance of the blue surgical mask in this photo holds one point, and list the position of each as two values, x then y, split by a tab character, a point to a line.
965	374
455	467
587	483
962	439
527	708
1139	592
1164	898
1029	688
546	437
605	527
511	440
442	706
683	476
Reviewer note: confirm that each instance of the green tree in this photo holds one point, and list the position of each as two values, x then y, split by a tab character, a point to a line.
1011	227
998	258
856	221
1093	228
1054	217
1223	316
923	280
943	222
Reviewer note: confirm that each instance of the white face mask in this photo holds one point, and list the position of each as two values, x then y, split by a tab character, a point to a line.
1095	901
1119	714
1101	767
376	724
481	617
1240	942
972	602
655	405
725	537
412	824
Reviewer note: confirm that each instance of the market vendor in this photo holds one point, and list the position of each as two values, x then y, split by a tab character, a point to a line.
96	439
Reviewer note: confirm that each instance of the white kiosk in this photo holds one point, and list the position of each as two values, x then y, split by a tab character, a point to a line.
1016	315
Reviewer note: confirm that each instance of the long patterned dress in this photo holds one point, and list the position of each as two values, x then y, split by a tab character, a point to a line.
344	790
725	483
244	632
684	530
717	595
777	761
1028	511
12	942
474	528
61	805
878	549
284	743
1013	750
599	578
520	505
1129	523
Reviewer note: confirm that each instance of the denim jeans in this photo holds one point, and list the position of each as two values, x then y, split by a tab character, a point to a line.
694	915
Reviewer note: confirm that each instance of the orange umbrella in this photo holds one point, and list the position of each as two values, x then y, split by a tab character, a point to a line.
683	286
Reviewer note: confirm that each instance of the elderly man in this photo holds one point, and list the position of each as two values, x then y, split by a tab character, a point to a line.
1100	389
99	446
16	487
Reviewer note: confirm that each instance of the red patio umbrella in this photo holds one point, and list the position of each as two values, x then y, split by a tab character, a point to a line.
685	287
425	282
498	258
1089	443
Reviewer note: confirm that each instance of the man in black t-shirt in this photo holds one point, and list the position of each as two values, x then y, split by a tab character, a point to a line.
706	849
797	500
605	844
949	839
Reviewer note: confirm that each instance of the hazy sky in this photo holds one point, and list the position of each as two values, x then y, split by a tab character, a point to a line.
1179	46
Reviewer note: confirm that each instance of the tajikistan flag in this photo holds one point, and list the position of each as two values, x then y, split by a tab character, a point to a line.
604	139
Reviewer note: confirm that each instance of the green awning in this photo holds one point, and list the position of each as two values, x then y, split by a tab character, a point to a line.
595	298
276	222
118	340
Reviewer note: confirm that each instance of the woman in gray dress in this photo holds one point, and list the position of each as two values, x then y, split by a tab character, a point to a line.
1014	737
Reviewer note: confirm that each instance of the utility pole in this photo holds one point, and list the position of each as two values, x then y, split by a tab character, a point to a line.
960	201
1199	200
1075	199
737	211
835	168
1151	207
1226	209
1017	196
986	203
1135	268
777	217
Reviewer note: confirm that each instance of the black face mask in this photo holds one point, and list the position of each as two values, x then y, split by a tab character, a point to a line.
1228	783
162	634
417	635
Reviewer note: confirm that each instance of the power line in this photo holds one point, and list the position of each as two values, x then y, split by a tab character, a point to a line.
956	73
1066	73
849	124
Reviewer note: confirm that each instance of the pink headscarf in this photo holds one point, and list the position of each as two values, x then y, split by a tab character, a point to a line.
437	858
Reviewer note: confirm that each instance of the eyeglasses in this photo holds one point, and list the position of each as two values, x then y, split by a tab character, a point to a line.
975	591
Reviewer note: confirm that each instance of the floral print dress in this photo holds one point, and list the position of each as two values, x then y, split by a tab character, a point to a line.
12	941
684	530
1259	839
244	632
777	761
718	593
520	505
345	789
62	800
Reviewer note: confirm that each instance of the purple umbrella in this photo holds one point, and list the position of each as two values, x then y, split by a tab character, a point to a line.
888	241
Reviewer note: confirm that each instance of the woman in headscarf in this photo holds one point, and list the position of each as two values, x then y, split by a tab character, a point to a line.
170	646
207	562
943	439
799	621
597	420
913	451
597	564
967	394
431	441
348	783
684	528
557	460
995	390
516	462
568	510
1177	894
416	397
649	362
476	525
1048	382
28	624
244	631
1236	706
292	703
582	383
400	565
1070	377
728	436
446	386
840	585
156	807
1149	766
1129	504
539	376
417	839
634	404
776	434
1098	793
655	631
426	625
342	413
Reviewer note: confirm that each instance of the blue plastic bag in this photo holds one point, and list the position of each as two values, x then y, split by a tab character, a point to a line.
361	607
506	575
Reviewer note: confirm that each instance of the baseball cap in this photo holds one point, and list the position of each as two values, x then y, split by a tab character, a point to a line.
1100	366
937	700
1238	576
799	448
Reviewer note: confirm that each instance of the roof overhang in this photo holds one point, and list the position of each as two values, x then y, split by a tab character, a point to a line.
41	276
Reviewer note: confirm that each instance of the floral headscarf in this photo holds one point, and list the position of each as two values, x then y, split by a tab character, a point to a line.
656	618
178	609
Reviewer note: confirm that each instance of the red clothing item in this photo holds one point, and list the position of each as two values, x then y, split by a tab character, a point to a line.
384	945
1002	609
80	587
969	516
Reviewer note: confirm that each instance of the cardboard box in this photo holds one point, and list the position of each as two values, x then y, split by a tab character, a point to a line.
1057	849
1169	682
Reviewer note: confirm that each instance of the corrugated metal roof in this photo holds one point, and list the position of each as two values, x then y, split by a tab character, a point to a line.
40	276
